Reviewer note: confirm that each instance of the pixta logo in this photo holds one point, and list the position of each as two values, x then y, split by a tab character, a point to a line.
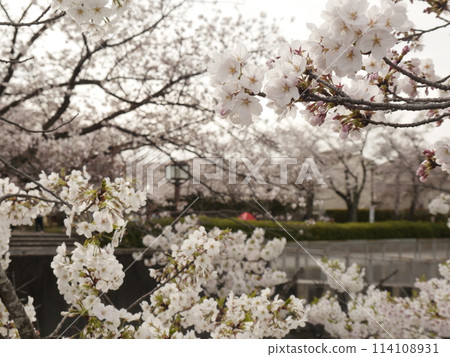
142	166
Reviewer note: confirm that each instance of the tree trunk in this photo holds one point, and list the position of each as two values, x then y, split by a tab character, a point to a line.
412	209
352	209
397	198
309	204
15	308
413	204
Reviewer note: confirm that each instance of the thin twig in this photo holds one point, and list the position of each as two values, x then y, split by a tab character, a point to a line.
32	23
414	77
408	125
20	195
59	326
383	280
39	131
21	173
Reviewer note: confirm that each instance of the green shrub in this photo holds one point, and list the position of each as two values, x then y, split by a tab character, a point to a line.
381	215
329	230
379	230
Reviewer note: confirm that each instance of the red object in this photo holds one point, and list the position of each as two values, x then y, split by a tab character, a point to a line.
247	216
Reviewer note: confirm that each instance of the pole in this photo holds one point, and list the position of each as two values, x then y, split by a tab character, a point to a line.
372	201
177	194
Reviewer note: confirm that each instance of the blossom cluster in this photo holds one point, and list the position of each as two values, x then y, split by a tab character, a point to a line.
17	208
354	37
442	154
352	30
236	83
83	277
194	292
91	269
191	300
377	314
440	205
181	306
341	278
96	16
342	75
251	316
244	264
94	211
217	283
86	271
5	235
438	156
423	171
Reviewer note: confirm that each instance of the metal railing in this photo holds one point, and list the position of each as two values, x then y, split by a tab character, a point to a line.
409	258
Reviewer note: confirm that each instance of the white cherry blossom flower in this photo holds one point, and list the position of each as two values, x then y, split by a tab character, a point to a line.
377	42
252	78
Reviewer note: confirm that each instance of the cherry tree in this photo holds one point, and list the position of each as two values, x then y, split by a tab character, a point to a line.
97	212
399	157
80	87
188	273
348	71
439	156
354	71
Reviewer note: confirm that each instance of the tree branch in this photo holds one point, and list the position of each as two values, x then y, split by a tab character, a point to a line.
408	125
37	21
19	195
414	77
15	308
39	131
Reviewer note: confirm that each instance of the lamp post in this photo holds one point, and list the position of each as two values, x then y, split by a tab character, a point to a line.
177	174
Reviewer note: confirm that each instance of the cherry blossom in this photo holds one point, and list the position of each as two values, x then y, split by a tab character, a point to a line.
351	56
344	279
442	153
241	265
95	16
217	282
234	81
377	314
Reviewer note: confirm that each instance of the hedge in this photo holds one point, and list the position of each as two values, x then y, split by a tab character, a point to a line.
336	231
318	231
341	215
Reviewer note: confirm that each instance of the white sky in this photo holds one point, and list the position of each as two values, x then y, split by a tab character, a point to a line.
436	45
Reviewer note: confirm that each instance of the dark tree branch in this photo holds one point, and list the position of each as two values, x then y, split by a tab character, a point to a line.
418	33
414	77
37	21
39	131
408	125
15	308
59	326
15	61
361	104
